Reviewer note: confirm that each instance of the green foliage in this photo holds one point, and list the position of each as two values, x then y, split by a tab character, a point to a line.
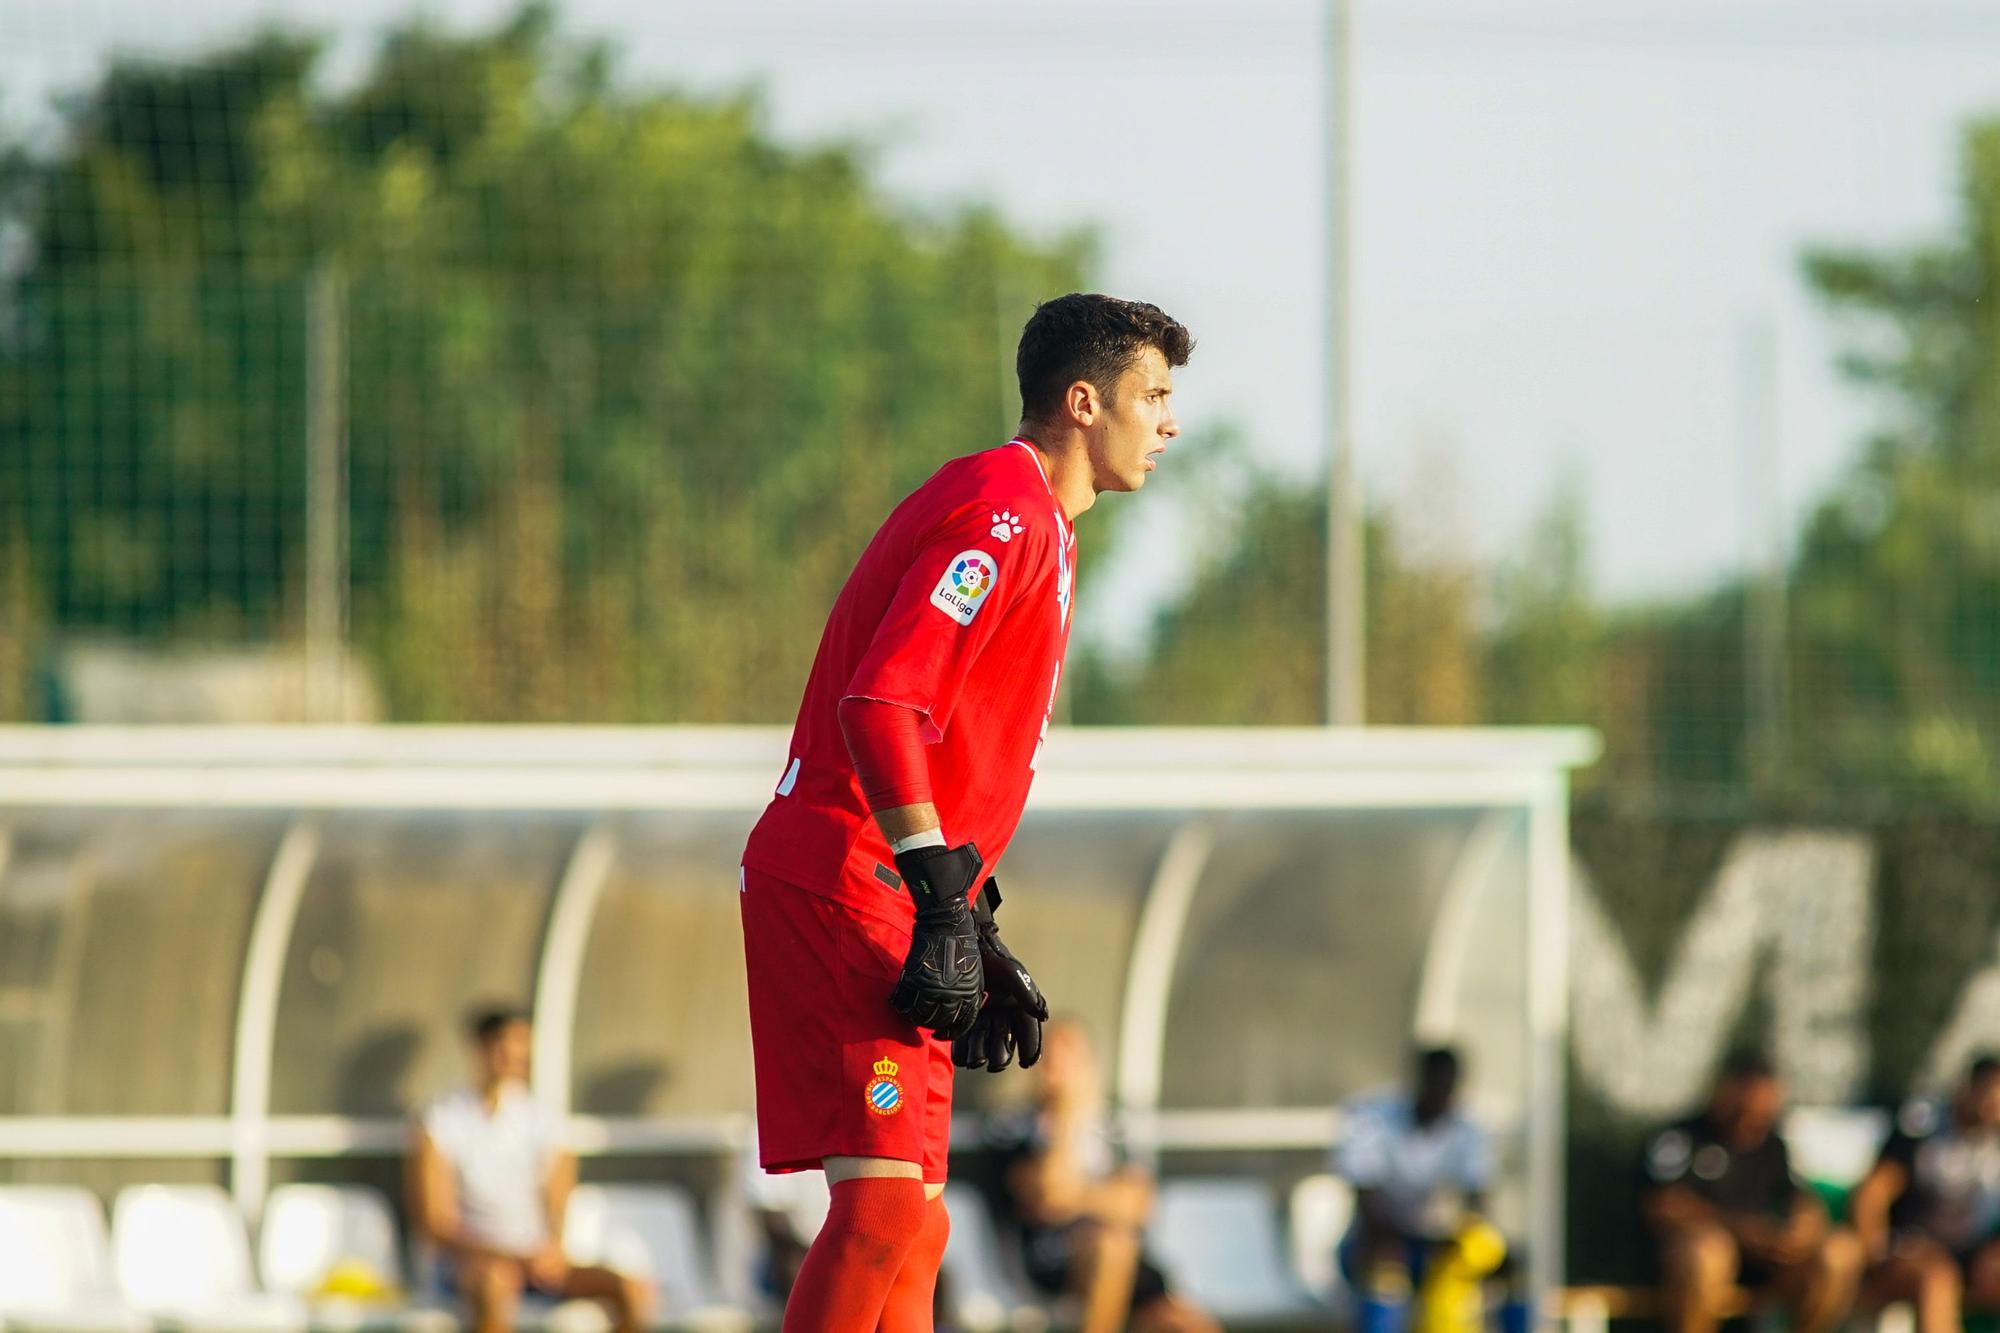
629	383
1239	648
1543	657
1892	671
1246	644
1897	585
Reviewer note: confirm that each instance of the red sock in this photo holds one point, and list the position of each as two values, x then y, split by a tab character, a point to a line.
909	1306
871	1226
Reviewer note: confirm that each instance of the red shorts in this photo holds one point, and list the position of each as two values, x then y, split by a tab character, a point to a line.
839	1073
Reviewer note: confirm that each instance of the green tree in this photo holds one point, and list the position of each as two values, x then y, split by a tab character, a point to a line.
1543	657
629	382
1896	588
1246	643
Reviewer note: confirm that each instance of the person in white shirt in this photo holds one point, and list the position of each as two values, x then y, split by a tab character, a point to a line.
489	1180
1420	1170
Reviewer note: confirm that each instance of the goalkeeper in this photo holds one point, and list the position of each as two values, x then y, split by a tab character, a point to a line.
872	954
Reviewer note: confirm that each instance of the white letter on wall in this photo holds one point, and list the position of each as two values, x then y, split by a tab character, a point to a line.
1801	896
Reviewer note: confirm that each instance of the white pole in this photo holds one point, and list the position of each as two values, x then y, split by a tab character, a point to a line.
1548	1036
1149	981
561	970
257	1013
1346	652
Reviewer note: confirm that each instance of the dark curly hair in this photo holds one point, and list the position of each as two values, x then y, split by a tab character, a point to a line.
485	1024
1085	336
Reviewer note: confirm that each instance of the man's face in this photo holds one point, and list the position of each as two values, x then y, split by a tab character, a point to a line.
1436	1090
1066	1066
504	1057
1133	424
1751	1104
1982	1101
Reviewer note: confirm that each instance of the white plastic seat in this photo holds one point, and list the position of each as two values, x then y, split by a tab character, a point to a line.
1835	1144
986	1295
181	1252
310	1229
55	1263
1218	1239
653	1232
1322	1207
811	1200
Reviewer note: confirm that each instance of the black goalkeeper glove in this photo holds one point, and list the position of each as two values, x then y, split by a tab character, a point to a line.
1015	1010
941	982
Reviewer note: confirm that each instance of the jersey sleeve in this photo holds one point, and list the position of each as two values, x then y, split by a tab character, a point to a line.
1361	1154
1472	1161
1789	1187
1901	1149
548	1133
435	1120
949	605
1914	1123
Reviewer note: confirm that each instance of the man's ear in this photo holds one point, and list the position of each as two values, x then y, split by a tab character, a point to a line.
1081	401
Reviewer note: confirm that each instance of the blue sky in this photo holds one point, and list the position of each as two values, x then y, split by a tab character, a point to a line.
1570	218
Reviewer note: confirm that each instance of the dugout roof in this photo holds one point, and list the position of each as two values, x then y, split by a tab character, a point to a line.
219	949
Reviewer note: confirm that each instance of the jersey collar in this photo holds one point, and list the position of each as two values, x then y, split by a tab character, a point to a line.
1036	458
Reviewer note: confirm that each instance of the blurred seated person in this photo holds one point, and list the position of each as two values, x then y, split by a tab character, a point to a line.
488	1182
775	1203
1079	1215
1928	1214
1720	1198
1420	1170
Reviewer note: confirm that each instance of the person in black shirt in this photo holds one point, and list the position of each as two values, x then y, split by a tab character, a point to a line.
1929	1211
1078	1214
1721	1198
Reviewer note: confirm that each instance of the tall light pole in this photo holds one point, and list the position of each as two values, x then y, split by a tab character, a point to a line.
326	495
1346	608
1764	629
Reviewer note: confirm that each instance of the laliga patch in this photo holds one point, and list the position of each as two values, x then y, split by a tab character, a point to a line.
962	590
884	1093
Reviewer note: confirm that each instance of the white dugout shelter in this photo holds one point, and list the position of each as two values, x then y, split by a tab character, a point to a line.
242	955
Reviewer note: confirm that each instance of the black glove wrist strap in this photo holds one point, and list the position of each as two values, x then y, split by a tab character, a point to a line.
938	879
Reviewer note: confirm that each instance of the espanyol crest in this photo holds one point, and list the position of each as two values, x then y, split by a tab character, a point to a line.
884	1093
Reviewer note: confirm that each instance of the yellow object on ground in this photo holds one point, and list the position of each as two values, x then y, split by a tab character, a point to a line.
1451	1299
353	1280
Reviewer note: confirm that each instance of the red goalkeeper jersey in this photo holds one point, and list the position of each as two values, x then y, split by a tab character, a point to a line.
959	609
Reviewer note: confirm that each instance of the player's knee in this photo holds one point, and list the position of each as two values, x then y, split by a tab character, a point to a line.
1702	1257
1842	1255
937	1224
877	1218
635	1299
1939	1276
495	1286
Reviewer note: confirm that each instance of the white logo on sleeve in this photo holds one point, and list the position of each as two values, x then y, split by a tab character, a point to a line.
966	581
1006	526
